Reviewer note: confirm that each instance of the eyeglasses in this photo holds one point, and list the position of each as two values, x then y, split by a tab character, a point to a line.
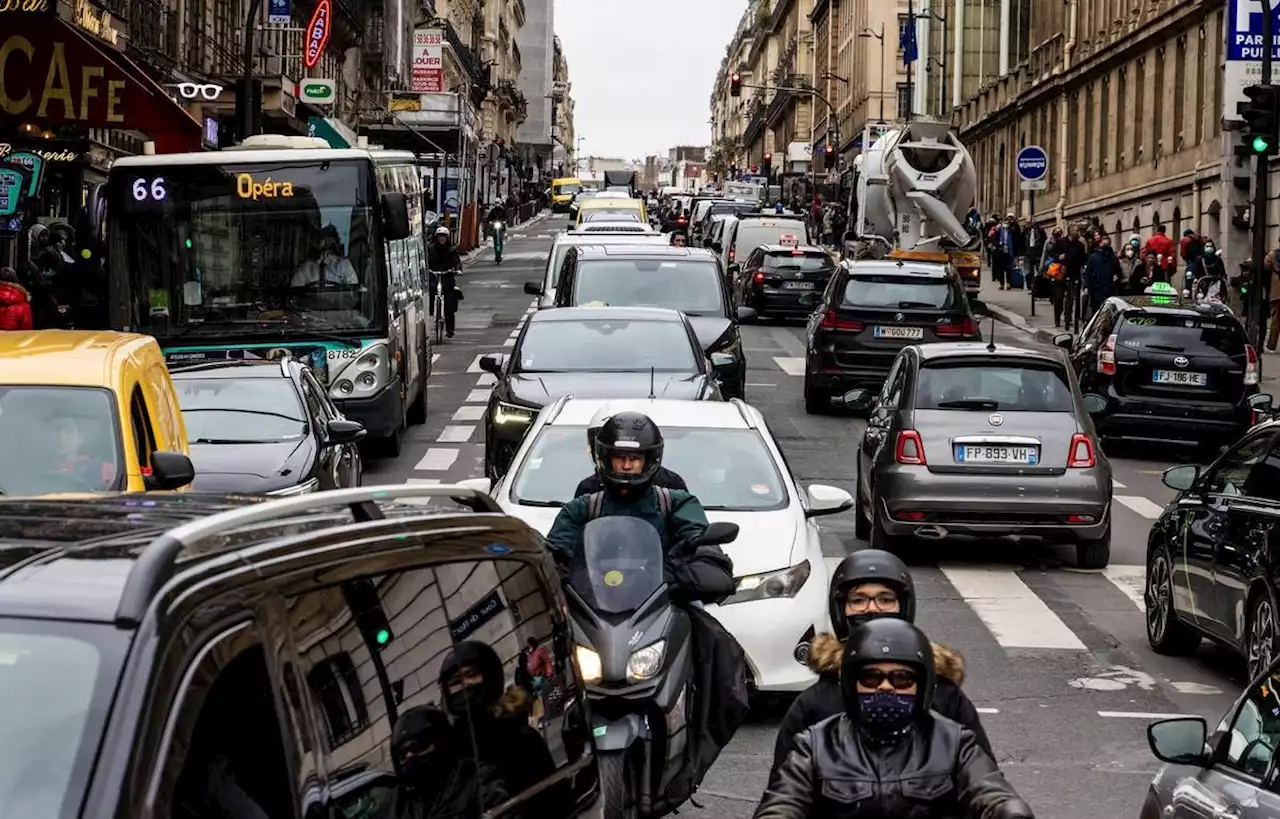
882	601
900	678
191	90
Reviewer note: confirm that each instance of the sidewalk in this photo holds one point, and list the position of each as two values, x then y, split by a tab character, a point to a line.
487	243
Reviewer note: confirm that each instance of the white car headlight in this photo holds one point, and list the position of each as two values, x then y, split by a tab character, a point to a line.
513	414
770	585
589	665
304	488
646	662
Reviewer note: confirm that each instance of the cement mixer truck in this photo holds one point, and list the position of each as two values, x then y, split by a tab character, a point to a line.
914	188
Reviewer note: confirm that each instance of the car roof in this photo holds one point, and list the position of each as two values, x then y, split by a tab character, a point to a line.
106	558
786	217
646	252
67	358
251	368
789	249
665	412
983	349
606	202
904	267
1174	305
607	313
603	237
606	226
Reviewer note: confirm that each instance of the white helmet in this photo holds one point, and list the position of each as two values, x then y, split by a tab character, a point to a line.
443	231
593	427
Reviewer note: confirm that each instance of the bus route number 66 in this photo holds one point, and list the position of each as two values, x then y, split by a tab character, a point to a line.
155	191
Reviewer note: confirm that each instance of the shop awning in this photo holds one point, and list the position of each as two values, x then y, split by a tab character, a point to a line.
333	131
53	74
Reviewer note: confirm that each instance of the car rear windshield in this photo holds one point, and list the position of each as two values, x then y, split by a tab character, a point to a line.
606	346
727	469
610	215
899	292
59	439
1181	333
781	232
731	208
565	188
991	385
690	285
803	261
56	684
240	410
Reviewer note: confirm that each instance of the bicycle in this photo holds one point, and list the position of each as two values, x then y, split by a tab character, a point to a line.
438	306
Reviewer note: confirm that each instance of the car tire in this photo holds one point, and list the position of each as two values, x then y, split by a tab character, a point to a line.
861	521
1262	638
385	448
816	401
1165	632
879	538
1094	554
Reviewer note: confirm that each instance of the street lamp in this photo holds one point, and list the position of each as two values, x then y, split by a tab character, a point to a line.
869	33
577	157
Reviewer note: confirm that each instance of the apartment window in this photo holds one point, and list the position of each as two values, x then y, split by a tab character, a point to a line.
1073	134
337	687
1201	104
904	98
1089	135
1104	127
1122	96
903	23
1180	94
1158	126
1140	105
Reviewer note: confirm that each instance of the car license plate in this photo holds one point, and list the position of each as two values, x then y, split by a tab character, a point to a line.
797	285
997	454
899	332
1179	377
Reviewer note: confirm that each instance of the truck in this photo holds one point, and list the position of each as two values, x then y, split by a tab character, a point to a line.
914	189
625	181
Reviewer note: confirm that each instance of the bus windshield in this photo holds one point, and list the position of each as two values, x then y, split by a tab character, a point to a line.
261	249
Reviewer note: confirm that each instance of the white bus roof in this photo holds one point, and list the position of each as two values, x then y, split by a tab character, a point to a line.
269	155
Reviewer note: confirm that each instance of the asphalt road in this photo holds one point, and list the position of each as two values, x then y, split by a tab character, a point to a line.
1057	658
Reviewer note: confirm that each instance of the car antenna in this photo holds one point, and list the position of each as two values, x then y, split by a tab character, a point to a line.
991	342
653	372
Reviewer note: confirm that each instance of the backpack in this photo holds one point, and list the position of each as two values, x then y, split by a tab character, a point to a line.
595	503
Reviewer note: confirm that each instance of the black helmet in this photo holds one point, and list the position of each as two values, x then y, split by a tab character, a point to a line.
628	433
870	566
887	640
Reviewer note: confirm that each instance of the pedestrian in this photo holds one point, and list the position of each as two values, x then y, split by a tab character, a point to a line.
1033	240
541	670
1191	249
1068	251
1163	247
1210	278
1128	261
1101	273
1273	334
1146	273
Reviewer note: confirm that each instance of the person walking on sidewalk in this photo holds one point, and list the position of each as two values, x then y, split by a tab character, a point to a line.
1273	334
1032	252
1101	274
1068	252
1145	274
1163	247
1128	262
1008	243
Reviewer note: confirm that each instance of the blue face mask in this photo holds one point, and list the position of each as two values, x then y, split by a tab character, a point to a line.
885	713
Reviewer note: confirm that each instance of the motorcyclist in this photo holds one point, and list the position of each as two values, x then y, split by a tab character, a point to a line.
433	779
592	483
867	585
887	753
444	264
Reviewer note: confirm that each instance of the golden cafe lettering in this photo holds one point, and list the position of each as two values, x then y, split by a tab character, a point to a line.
99	25
73	95
25	6
249	188
46	155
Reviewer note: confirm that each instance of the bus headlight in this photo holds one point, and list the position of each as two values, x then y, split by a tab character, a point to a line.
363	376
588	664
646	662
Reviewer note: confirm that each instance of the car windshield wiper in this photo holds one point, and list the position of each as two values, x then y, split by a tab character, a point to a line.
917	305
969	403
236	441
541	504
298	421
1168	348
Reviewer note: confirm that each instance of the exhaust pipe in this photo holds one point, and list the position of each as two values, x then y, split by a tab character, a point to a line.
931	532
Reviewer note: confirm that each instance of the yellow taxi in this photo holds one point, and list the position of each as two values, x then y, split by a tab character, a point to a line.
562	192
88	411
605	208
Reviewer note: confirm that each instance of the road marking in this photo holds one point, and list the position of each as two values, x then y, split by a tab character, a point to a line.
1011	611
478	397
487	380
469	413
987	710
514	333
524	256
760	384
455	434
435	357
511	342
1141	505
1130	580
475	365
1142	715
1115	484
437	460
790	366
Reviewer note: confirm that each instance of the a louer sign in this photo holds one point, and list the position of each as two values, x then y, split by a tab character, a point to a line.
317	92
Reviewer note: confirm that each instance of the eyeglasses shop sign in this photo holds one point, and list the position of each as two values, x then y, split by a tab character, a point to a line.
317	92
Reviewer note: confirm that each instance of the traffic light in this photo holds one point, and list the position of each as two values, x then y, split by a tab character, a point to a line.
766	165
1261	117
362	598
735	84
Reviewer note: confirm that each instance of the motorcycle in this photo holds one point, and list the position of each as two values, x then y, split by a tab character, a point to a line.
634	650
499	233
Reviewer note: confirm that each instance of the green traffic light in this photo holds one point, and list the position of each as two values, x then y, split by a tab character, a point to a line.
188	244
1260	145
383	637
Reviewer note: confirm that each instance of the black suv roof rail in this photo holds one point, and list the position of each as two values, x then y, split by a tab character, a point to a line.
155	563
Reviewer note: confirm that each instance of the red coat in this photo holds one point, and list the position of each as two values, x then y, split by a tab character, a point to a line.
15	307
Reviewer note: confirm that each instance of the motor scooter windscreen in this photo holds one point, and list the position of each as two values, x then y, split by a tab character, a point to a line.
622	557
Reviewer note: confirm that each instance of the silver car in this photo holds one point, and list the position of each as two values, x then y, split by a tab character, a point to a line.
982	441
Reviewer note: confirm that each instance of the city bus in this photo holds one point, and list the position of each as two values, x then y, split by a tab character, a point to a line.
281	246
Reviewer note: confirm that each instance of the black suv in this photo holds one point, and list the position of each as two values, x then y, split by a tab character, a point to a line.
785	282
167	654
1169	370
755	229
872	309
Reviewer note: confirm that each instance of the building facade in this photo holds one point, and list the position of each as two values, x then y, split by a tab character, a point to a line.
505	107
870	74
564	149
536	40
729	113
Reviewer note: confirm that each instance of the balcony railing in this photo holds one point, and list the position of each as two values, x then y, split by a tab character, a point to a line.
469	59
779	106
153	33
755	124
208	56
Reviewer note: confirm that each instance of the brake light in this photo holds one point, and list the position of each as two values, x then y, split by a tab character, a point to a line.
758	277
965	329
1251	365
1081	454
831	321
1107	356
910	449
797	253
732	254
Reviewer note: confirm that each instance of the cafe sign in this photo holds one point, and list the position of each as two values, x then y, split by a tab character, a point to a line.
97	24
32	8
60	155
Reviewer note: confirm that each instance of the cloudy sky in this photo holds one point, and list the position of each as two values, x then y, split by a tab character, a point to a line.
642	71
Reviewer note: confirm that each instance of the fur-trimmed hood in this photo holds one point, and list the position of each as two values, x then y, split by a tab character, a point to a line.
827	651
514	702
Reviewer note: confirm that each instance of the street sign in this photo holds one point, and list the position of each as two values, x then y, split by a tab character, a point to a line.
1243	55
1035	184
317	91
1032	164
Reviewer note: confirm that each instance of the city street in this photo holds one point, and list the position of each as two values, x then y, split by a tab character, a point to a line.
1057	659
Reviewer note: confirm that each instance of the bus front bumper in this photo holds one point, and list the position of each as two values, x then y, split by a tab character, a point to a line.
382	414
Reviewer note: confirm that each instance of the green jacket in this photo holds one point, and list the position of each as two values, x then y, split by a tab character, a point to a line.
687	520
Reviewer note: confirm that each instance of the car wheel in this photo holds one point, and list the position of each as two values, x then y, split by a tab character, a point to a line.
861	521
1094	554
880	539
1261	638
1165	632
816	401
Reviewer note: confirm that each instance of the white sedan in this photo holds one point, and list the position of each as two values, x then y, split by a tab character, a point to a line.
725	453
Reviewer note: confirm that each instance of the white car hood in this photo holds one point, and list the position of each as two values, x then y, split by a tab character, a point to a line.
766	543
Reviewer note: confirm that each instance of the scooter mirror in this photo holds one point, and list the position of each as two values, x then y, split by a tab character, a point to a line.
718	534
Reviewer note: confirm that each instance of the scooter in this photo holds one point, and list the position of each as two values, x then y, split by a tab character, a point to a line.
634	650
499	233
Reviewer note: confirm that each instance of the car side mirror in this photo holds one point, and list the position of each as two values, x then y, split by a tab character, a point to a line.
1179	741
1181	477
478	484
395	215
747	315
1262	402
858	400
170	470
492	363
342	431
1064	340
827	500
718	534
721	360
1095	404
532	289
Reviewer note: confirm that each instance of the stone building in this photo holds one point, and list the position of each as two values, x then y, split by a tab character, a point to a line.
536	40
505	107
564	151
868	75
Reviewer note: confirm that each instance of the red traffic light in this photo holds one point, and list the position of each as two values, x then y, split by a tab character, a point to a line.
735	84
735	77
768	157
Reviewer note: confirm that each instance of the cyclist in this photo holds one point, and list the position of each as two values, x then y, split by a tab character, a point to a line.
444	264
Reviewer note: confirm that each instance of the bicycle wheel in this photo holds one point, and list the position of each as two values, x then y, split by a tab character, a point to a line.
439	319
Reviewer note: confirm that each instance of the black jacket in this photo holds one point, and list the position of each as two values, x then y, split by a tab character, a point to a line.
936	770
822	699
664	478
440	259
471	790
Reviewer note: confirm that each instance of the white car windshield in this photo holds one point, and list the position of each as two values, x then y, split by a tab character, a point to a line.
727	469
692	286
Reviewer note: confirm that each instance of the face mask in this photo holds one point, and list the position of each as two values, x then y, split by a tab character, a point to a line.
1208	251
885	713
425	772
470	700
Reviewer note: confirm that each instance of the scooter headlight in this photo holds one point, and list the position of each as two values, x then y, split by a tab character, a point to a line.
646	662
770	585
588	664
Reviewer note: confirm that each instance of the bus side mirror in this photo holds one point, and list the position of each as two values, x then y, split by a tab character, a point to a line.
395	216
